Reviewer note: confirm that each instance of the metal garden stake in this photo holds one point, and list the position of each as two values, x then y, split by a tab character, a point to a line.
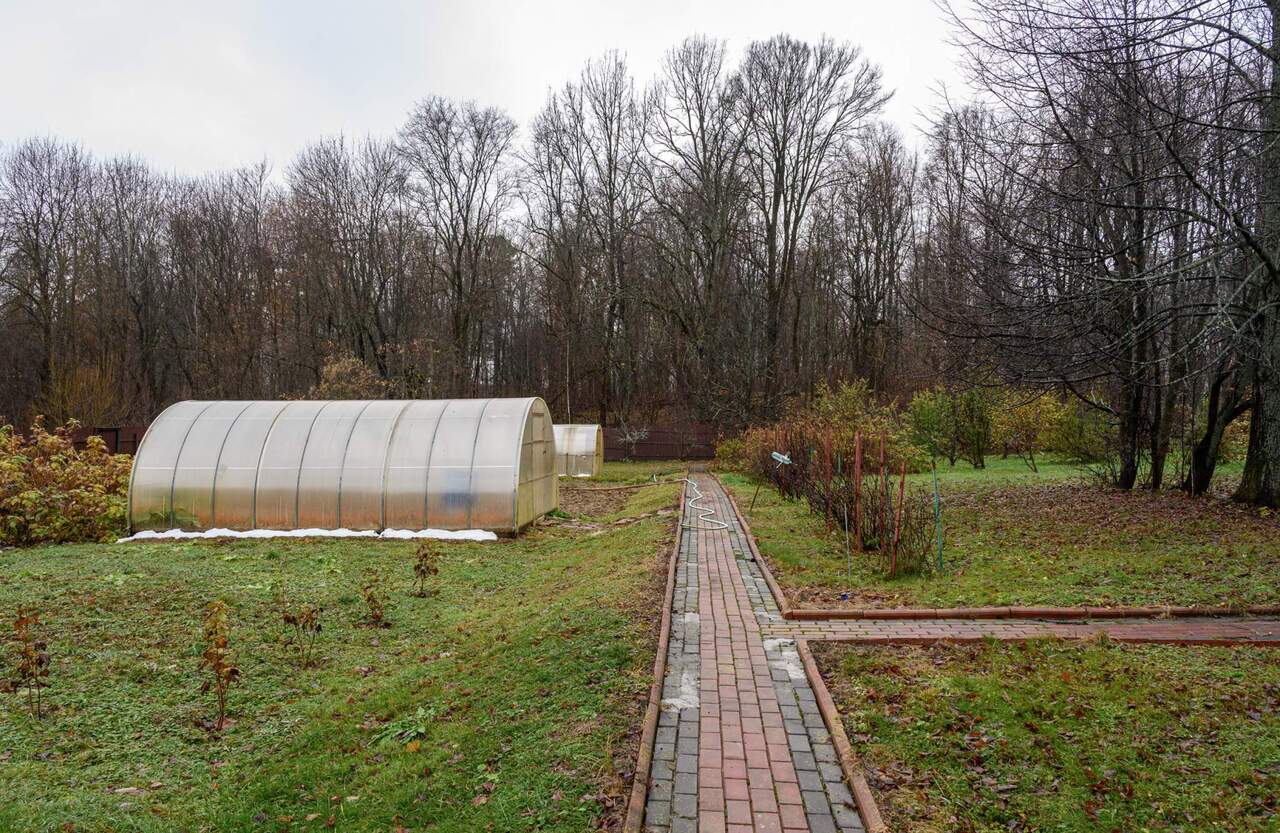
782	460
937	514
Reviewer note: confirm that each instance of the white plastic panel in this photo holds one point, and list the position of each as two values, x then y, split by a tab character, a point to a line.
579	450
237	477
197	468
151	483
320	478
493	469
364	467
276	501
449	480
408	457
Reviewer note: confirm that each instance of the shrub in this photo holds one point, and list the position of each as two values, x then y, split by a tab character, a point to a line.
734	453
1026	422
954	424
216	659
1082	434
973	410
932	420
303	623
33	659
822	440
347	377
426	565
50	492
375	601
886	518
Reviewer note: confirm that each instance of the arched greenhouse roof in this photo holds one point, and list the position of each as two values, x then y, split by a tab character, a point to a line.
354	464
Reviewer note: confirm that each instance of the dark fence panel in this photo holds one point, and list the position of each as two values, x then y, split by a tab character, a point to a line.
667	442
120	440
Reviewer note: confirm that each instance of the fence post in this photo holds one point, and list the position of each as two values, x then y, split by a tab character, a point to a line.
897	520
882	526
848	554
937	514
857	489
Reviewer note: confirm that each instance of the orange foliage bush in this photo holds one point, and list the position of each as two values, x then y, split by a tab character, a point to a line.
52	492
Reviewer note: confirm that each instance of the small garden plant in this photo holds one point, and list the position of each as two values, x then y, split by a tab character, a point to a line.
426	566
304	626
375	601
33	659
216	660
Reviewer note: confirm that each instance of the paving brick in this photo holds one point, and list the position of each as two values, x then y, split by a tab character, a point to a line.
821	824
657	812
815	802
684	806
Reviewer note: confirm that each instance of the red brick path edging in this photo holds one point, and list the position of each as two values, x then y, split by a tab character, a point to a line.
849	762
1020	612
990	612
644	758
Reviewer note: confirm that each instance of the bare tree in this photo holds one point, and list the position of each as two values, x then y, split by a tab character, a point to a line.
800	104
696	184
458	155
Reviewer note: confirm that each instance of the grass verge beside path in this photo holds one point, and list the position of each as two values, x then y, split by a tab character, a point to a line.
1017	538
1068	737
634	471
508	701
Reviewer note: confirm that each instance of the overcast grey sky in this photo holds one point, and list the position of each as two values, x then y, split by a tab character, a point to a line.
195	87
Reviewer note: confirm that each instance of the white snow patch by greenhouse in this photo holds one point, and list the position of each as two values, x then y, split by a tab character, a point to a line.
443	534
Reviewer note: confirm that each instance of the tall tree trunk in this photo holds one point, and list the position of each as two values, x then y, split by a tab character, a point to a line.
1261	482
1130	428
1223	407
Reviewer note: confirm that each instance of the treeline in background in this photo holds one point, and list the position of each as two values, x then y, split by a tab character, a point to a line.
1099	220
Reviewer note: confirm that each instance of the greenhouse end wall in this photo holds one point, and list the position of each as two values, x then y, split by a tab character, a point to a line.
579	450
358	464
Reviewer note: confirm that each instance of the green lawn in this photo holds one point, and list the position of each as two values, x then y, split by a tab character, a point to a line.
637	471
1064	737
1014	537
516	691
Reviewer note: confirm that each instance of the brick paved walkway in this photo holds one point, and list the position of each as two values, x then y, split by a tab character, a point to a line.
741	745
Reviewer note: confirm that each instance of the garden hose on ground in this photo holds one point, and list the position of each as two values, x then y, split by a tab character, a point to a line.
705	512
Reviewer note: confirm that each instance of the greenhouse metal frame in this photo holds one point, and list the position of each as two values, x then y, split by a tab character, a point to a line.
354	464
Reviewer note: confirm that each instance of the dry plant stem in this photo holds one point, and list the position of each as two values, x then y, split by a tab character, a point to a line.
897	520
33	659
857	491
216	658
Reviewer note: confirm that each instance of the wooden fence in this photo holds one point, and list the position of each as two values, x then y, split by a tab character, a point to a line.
120	440
667	442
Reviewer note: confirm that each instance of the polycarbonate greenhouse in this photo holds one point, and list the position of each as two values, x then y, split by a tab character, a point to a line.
579	450
362	465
